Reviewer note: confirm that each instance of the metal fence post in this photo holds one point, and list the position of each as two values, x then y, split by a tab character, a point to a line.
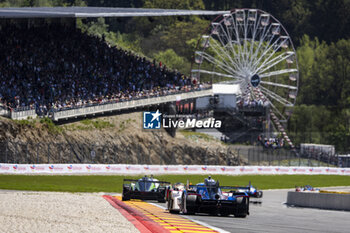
227	153
48	153
71	154
115	156
6	151
173	158
37	153
104	158
92	153
206	156
16	153
27	157
289	157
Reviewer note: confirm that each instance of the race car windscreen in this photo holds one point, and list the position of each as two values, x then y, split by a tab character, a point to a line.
146	185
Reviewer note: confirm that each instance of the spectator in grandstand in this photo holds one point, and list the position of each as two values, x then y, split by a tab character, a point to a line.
44	68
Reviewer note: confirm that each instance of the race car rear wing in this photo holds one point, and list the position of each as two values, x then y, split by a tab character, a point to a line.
147	181
221	187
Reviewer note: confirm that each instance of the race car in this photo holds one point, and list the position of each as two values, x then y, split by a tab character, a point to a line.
208	197
145	188
251	191
173	197
306	188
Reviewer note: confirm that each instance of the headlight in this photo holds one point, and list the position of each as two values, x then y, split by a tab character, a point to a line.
239	200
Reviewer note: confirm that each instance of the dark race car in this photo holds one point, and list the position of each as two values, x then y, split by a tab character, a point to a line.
145	188
209	197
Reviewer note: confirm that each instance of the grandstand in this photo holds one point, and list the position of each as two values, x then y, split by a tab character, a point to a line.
49	67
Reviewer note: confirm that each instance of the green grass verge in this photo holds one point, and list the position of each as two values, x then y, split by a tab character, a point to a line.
96	183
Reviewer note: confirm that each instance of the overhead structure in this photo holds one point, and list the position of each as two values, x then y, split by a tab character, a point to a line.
93	12
251	48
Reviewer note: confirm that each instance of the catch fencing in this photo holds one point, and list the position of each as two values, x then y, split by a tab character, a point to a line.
75	153
285	157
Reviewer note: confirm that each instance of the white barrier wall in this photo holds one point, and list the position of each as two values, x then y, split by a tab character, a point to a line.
6	168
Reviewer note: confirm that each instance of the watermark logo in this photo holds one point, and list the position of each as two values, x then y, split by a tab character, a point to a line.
156	120
152	120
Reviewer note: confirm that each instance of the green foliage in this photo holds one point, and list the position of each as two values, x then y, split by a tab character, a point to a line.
172	60
52	128
195	136
28	122
89	124
41	3
96	183
322	115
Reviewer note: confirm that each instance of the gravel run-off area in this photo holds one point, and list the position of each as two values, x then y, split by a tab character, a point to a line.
59	212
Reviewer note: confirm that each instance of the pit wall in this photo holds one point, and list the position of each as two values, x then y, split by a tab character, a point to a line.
331	201
6	168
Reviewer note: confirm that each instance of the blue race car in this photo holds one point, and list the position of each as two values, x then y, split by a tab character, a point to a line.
250	190
209	197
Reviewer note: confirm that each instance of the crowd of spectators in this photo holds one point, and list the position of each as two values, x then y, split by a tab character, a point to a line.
273	142
53	67
247	101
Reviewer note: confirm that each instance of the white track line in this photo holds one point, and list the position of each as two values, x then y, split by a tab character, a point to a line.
196	221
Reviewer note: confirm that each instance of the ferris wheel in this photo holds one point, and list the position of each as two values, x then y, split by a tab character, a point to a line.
251	48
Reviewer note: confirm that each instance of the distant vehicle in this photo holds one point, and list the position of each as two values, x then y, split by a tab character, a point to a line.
251	191
306	188
145	188
208	197
173	197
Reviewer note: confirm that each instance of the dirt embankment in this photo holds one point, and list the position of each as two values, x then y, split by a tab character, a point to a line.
115	139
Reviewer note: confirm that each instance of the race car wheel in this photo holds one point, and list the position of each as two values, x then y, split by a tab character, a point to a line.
188	204
241	215
191	204
259	194
125	198
169	204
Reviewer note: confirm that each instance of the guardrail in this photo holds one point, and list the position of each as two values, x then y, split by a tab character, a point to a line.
84	111
4	112
23	114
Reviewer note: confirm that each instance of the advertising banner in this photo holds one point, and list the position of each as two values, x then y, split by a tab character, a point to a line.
135	169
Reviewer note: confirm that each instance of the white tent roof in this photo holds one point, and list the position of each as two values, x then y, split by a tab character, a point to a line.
226	89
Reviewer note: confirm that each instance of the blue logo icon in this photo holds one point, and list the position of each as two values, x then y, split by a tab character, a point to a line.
151	120
255	80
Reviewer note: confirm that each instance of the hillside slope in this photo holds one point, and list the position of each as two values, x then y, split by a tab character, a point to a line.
113	139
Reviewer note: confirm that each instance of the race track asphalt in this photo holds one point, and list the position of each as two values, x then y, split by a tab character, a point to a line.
274	216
